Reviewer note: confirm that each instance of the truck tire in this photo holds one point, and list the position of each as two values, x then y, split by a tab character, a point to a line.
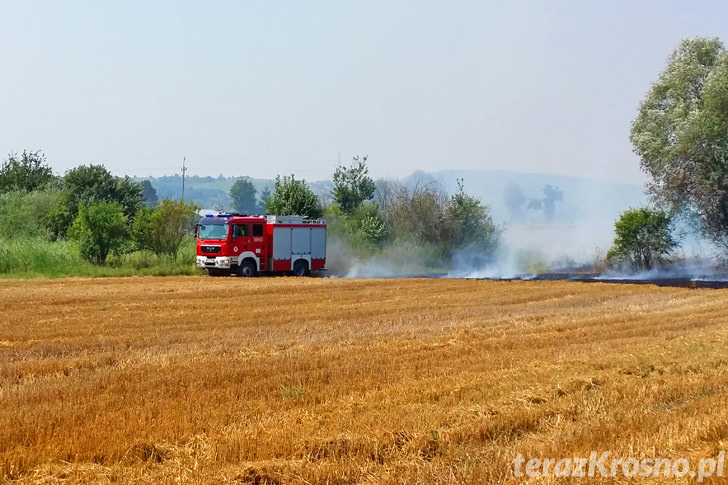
300	268
247	269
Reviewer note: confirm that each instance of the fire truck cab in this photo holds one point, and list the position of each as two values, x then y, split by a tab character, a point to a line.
249	245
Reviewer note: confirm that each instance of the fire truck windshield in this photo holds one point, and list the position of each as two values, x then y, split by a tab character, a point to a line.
213	231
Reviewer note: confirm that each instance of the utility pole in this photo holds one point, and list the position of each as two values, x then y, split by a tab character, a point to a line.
184	169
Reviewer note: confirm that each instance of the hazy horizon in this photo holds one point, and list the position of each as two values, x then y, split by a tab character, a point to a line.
259	89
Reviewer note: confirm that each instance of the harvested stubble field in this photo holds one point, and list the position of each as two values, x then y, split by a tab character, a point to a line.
283	380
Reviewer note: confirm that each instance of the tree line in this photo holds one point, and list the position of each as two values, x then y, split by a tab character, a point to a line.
371	216
105	214
101	212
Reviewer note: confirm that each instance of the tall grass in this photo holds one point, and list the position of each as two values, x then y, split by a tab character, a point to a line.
35	256
40	256
147	263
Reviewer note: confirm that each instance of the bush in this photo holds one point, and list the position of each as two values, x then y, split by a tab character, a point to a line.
26	214
163	229
452	225
99	229
643	239
182	261
470	228
364	229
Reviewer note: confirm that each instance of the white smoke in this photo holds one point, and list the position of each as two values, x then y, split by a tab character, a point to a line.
540	248
576	242
343	261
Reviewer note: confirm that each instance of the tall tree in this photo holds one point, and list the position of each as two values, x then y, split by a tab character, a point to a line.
353	185
243	195
28	172
293	197
680	135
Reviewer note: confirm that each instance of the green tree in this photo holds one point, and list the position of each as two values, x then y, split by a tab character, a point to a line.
643	239
293	197
149	194
28	172
353	185
163	229
680	135
243	195
89	185
99	228
470	226
265	194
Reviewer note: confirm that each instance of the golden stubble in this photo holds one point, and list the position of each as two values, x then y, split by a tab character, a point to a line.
285	380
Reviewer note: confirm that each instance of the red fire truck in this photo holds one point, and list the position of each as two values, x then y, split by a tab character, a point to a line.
248	245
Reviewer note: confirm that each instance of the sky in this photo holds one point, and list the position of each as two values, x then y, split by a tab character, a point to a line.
261	88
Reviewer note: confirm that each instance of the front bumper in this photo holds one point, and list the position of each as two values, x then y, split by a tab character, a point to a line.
222	262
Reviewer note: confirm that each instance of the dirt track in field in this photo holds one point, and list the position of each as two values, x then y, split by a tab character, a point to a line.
279	380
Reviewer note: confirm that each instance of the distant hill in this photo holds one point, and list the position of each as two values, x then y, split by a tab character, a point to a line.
206	192
212	192
513	197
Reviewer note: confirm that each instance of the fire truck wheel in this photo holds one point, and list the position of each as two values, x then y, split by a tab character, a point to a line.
300	268
247	268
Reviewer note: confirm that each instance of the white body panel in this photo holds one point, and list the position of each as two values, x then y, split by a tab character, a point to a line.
299	242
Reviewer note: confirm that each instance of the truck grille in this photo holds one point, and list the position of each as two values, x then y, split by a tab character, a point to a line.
210	249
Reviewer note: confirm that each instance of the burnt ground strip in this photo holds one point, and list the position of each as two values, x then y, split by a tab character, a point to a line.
715	282
677	282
